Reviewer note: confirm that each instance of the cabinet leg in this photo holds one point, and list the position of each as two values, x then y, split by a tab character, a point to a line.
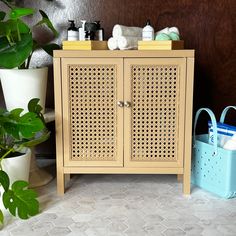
60	183
179	177
186	184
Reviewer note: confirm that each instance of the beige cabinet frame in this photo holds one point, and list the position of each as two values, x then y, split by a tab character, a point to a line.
112	116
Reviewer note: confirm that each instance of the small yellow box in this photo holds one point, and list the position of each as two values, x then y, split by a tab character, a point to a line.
160	45
84	45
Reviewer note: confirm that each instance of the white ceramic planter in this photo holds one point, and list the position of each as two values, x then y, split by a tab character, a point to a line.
21	85
18	167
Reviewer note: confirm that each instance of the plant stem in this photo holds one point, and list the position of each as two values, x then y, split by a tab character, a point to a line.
28	60
18	31
8	152
22	66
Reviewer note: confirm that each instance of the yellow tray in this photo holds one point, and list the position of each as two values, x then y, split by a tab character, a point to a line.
160	45
84	45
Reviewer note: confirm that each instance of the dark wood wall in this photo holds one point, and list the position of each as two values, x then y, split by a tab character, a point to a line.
208	26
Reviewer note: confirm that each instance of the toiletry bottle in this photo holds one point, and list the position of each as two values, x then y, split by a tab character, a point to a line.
82	31
148	32
72	32
90	30
99	35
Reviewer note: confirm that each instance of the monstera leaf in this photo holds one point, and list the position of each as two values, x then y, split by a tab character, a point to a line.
30	124
15	55
4	180
21	201
1	217
26	125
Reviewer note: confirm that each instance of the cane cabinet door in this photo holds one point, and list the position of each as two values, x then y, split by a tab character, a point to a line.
92	91
154	99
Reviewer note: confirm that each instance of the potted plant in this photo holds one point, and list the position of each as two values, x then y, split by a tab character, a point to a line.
18	132
17	45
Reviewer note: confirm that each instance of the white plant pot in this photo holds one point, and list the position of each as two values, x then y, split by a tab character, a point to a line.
18	167
21	85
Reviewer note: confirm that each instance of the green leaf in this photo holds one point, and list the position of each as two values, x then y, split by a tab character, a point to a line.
16	112
42	137
45	20
12	28
23	28
33	106
4	180
29	124
12	128
21	200
1	217
17	13
11	57
50	47
2	15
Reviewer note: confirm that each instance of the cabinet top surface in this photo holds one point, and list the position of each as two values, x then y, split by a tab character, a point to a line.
126	53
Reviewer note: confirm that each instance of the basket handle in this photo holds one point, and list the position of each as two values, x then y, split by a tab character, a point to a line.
224	112
214	124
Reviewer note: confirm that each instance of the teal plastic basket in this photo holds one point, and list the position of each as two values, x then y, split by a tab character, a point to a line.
213	168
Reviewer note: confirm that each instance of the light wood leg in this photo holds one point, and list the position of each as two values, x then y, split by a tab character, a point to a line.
60	183
179	177
188	126
186	183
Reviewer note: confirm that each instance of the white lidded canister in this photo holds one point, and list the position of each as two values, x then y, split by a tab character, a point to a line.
148	32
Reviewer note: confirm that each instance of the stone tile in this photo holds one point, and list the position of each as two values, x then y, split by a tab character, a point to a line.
174	232
154	218
41	227
96	232
5	233
78	227
135	232
117	217
206	215
27	230
98	222
118	195
126	205
77	234
82	217
173	223
211	232
63	221
192	229
46	217
84	210
59	231
117	227
153	229
229	229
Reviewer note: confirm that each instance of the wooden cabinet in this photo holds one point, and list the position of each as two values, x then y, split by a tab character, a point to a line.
123	112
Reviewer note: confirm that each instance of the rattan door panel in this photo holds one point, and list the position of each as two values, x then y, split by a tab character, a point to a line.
92	121
154	123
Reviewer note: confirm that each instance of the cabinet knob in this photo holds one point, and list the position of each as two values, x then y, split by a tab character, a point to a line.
127	104
120	104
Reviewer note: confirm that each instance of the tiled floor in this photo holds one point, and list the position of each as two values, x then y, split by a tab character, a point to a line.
129	205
